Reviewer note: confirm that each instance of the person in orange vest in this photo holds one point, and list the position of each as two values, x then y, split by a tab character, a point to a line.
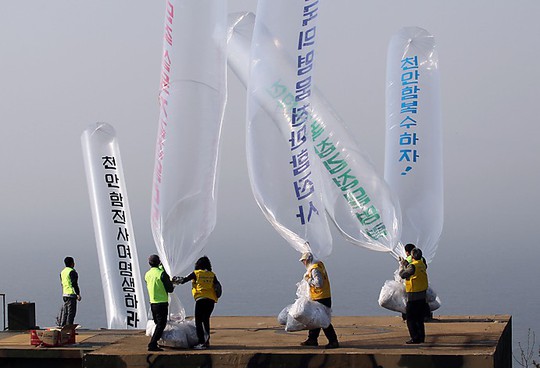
319	291
159	286
206	290
71	293
416	285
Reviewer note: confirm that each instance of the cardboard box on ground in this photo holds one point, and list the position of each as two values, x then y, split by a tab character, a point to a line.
53	336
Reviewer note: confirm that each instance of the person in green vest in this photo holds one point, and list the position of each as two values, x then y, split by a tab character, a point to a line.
71	293
408	249
416	285
408	253
206	290
159	286
319	291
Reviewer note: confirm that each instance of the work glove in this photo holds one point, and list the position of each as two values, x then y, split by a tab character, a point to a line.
178	280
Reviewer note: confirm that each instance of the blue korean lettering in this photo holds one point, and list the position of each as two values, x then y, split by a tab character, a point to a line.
300	162
304	187
408	155
407	139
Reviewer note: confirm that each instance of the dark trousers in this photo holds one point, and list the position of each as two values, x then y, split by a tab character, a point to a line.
329	331
203	310
68	311
160	314
416	310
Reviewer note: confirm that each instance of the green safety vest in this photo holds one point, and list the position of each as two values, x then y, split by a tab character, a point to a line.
156	289
67	286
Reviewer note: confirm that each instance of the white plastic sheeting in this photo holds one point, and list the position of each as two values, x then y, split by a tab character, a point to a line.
192	100
355	196
115	240
413	159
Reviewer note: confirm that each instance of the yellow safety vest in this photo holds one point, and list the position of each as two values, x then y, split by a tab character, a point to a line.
203	285
67	286
156	289
317	293
418	281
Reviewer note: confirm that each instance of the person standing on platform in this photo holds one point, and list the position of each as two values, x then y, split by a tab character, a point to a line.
159	286
319	291
408	257
416	285
206	290
71	293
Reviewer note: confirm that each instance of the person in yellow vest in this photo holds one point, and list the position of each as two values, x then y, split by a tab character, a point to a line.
408	257
206	290
71	293
416	285
319	291
159	286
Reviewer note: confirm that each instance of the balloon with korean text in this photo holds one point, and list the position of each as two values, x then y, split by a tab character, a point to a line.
115	239
413	158
284	172
192	99
356	197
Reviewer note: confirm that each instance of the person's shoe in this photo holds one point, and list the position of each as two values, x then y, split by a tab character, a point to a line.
154	348
309	342
411	341
200	347
332	345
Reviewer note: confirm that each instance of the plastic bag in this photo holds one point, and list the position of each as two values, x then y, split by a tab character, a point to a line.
304	313
181	334
282	316
293	325
310	313
394	297
433	299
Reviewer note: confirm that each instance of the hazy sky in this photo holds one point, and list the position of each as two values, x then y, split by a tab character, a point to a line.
65	64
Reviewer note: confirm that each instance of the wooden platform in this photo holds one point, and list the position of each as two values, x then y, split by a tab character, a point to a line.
452	341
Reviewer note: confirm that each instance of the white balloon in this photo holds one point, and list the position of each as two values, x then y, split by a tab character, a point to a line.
192	101
356	197
281	161
115	240
413	159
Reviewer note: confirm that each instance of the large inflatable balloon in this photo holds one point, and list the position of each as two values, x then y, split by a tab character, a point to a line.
115	240
192	100
413	160
355	196
282	164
